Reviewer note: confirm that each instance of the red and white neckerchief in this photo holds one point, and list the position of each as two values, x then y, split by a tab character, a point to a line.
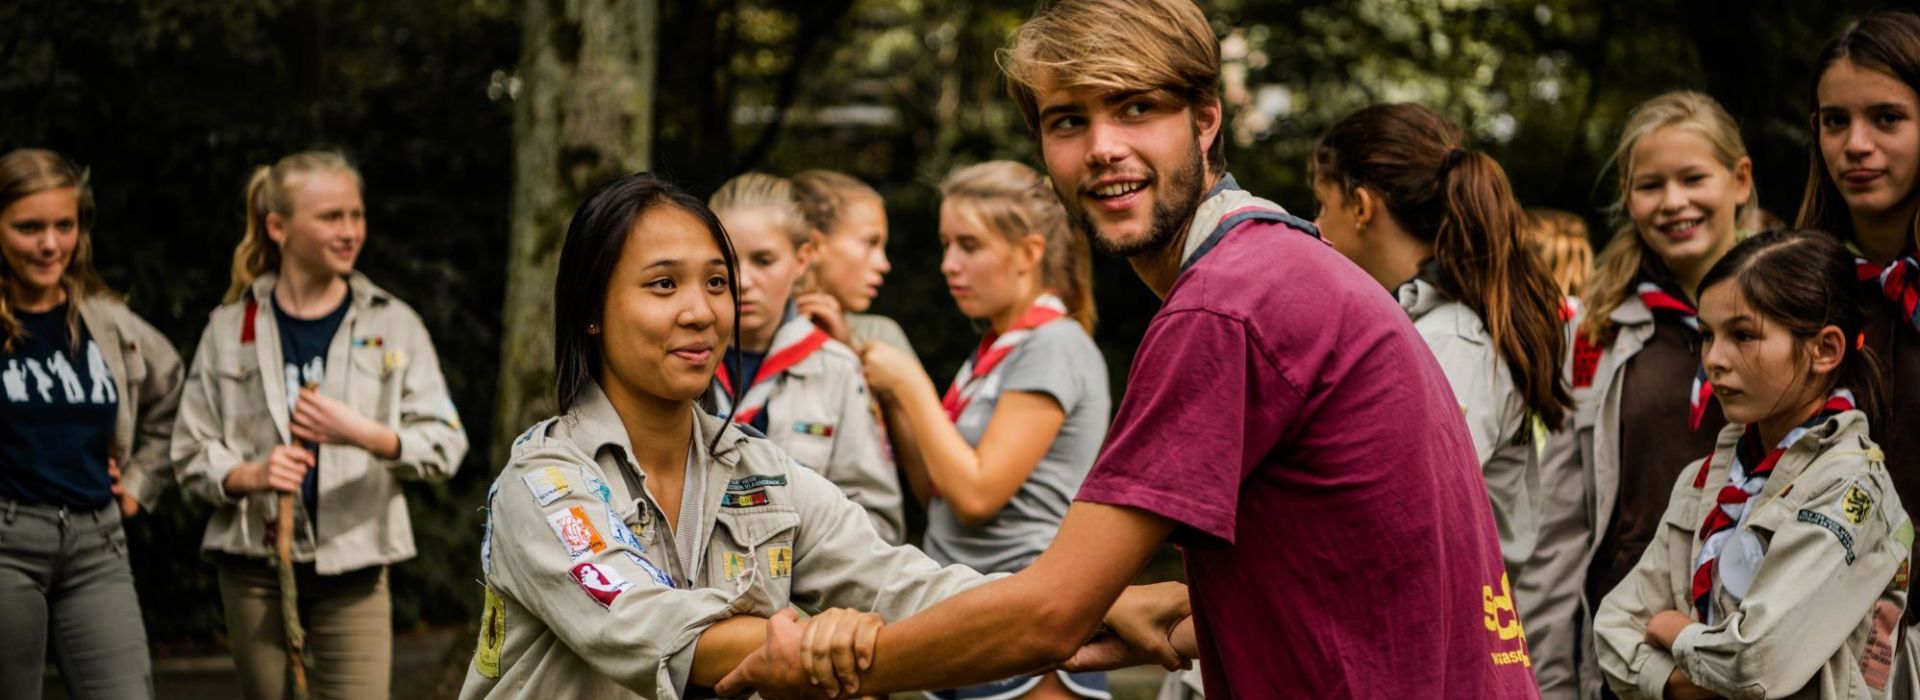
1661	301
1734	502
995	347
1899	281
796	340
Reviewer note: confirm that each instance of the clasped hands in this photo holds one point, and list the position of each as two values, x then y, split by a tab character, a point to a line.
824	656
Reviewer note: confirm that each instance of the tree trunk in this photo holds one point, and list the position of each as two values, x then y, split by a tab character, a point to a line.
583	115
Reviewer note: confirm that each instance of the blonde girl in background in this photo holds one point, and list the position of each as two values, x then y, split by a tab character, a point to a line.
999	458
1641	408
794	382
312	381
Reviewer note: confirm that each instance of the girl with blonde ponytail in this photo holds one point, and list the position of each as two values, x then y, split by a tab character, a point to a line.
998	460
311	381
1642	410
87	398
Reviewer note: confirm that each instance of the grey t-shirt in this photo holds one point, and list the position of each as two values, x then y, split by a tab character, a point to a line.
865	327
1060	361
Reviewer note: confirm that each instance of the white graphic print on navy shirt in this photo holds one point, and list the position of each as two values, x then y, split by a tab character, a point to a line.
25	378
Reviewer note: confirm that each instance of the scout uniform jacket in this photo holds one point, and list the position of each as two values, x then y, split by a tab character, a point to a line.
1823	608
822	415
1496	413
1579	482
146	374
382	364
590	593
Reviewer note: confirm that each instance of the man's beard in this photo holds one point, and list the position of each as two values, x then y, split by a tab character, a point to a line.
1173	207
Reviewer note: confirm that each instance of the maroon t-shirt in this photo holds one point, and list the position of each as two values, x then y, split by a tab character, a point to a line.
1337	532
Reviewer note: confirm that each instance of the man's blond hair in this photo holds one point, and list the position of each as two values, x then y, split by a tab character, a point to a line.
1116	46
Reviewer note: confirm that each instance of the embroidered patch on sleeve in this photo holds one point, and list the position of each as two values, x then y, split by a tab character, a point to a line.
486	536
819	429
493	634
780	562
598	488
748	483
1901	576
547	484
576	532
601	583
1839	531
1876	658
1855	504
757	497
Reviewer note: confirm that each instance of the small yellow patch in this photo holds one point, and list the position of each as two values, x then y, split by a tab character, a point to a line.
1856	504
780	562
735	565
493	635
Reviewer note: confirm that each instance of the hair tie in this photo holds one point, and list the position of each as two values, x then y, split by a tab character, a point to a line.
1455	156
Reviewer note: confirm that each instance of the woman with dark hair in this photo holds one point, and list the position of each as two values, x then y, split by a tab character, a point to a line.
1863	187
635	546
89	394
1402	197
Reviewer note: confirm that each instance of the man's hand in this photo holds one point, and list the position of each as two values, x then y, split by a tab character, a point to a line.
1666	627
322	420
776	670
1144	618
838	645
1106	652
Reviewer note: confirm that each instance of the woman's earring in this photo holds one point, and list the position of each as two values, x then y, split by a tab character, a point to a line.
593	329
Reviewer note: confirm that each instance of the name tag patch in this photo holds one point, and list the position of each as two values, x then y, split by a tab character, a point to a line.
749	483
547	484
820	429
601	584
1839	531
576	532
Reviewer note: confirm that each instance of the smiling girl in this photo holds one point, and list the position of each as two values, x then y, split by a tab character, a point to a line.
1640	412
1779	566
311	380
795	384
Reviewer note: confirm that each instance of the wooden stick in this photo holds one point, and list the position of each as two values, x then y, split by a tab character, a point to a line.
290	599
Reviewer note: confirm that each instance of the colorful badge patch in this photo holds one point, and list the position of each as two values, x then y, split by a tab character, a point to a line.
493	634
1902	575
820	429
370	341
621	533
1839	531
734	565
748	483
1876	658
780	562
602	584
744	500
598	487
576	532
547	484
1855	504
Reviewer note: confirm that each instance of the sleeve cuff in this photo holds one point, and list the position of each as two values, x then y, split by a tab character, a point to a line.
219	485
1653	674
1195	518
1683	650
678	667
146	491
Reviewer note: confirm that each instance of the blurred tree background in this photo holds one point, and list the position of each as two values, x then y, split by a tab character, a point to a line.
171	103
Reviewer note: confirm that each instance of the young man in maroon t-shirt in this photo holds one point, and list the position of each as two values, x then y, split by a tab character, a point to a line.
1284	423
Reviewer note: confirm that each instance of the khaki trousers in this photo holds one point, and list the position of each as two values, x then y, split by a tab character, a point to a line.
349	624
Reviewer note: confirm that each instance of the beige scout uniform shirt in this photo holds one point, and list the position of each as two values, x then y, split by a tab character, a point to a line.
146	374
592	594
824	417
1819	618
1496	413
382	364
1579	482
